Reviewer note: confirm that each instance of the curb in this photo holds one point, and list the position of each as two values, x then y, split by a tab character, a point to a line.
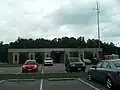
2	81
60	79
22	80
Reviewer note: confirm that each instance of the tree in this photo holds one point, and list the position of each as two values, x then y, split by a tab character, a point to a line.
64	42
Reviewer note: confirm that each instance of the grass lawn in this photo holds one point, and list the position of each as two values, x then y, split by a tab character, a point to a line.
42	76
9	70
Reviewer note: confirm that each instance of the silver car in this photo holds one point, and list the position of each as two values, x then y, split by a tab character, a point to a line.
107	71
48	61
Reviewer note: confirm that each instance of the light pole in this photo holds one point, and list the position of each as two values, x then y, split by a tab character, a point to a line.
98	22
116	48
79	51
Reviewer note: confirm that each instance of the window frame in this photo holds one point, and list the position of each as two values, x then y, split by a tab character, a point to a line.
100	65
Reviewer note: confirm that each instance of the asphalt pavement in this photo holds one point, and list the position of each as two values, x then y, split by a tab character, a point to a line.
56	68
77	84
65	85
34	85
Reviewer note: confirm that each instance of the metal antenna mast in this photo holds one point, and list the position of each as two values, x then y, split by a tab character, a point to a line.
98	22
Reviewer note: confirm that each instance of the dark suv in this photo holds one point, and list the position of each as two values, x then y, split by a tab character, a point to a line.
74	64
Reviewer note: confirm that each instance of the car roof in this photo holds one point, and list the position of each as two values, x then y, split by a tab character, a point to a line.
112	60
48	58
73	57
31	60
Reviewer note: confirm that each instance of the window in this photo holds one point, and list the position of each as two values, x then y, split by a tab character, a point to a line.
15	58
31	57
99	65
106	65
117	64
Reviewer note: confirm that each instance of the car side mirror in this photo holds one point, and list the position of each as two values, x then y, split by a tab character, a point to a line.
94	67
37	64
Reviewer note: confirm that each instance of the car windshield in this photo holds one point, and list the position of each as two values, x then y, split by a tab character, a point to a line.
75	60
30	62
117	63
48	59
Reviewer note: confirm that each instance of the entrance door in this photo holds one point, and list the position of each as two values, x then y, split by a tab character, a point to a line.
23	57
57	56
31	57
39	57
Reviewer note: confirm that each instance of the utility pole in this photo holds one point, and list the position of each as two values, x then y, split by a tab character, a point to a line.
98	22
116	48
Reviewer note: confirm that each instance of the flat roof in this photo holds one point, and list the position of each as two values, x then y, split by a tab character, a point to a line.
54	49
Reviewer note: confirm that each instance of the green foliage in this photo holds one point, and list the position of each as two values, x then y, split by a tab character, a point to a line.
64	42
40	76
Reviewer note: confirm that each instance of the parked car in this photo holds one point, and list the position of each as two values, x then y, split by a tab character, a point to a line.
48	61
30	66
74	64
106	71
87	61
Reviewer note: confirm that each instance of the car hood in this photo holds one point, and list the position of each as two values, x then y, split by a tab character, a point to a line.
30	65
118	69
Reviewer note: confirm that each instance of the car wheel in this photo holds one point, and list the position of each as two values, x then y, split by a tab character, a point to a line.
70	70
109	83
66	69
89	77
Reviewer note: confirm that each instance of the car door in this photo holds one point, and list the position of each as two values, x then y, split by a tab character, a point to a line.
95	71
105	69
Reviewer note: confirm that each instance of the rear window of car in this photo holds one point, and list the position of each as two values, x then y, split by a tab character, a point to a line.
30	62
75	60
48	59
117	63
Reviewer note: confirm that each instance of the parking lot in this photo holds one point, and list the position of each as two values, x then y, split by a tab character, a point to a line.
44	84
56	68
51	85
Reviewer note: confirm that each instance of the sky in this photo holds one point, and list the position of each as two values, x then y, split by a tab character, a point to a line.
58	18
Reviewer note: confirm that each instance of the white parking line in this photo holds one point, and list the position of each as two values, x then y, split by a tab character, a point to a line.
41	84
65	71
2	81
21	80
88	84
2	71
18	73
42	70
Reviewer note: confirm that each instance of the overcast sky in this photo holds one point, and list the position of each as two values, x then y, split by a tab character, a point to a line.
57	18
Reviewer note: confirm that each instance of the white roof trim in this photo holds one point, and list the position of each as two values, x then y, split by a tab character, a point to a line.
54	49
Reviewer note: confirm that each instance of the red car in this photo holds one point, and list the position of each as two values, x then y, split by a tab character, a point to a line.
30	66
